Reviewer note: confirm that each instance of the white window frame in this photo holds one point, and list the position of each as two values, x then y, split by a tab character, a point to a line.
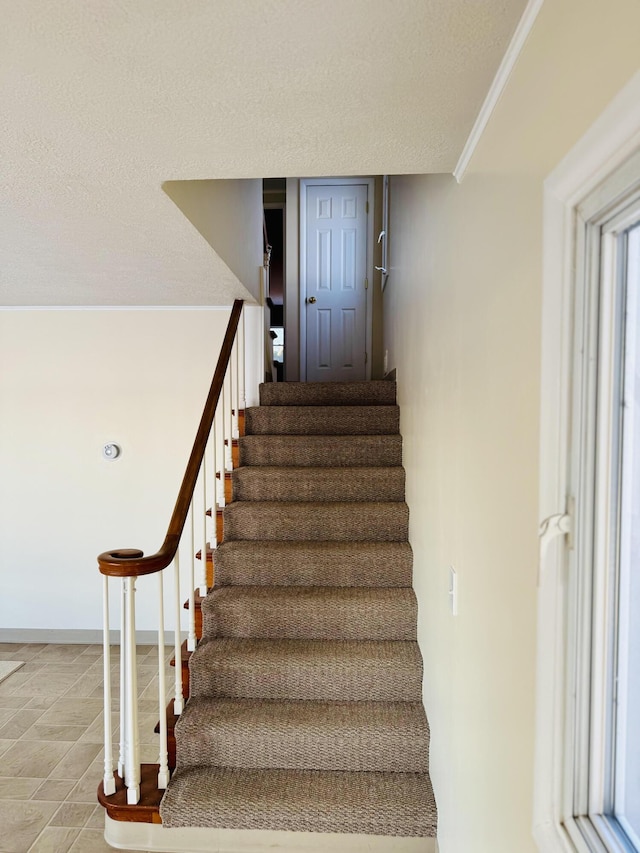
607	145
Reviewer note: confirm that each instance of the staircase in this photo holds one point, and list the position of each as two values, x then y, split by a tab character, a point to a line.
304	709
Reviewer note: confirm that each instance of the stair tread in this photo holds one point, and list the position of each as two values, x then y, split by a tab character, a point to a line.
399	804
271	562
323	520
295	483
385	736
324	670
322	420
345	613
367	393
321	450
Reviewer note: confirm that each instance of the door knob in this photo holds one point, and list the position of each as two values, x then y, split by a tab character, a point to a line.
311	300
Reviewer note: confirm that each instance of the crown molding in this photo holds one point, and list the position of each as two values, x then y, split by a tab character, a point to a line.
498	86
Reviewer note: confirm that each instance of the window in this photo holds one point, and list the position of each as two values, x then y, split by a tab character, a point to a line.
587	776
603	770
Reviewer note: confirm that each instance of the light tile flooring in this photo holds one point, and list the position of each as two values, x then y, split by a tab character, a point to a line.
51	735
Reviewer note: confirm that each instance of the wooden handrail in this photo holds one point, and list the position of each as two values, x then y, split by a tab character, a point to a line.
128	562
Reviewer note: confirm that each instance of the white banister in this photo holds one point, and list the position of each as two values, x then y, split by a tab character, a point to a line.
123	678
108	781
131	757
219	427
191	639
228	421
203	530
242	369
178	702
235	390
214	453
163	754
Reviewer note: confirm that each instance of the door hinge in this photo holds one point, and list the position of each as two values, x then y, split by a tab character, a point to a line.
367	207
366	357
366	284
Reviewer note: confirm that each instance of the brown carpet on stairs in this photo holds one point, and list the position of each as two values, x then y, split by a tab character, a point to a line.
305	711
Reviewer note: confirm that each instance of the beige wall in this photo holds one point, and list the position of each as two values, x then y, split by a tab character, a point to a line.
71	380
462	326
228	214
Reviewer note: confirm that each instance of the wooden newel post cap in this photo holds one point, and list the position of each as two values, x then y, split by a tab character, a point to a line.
122	554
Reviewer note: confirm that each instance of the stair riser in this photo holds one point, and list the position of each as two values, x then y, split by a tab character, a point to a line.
375	682
312	619
350	451
389	564
376	393
345	420
383	522
286	484
301	748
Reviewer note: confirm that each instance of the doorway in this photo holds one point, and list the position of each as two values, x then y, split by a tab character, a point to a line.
336	269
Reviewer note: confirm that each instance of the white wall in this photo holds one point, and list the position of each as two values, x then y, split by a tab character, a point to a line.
462	326
70	380
229	216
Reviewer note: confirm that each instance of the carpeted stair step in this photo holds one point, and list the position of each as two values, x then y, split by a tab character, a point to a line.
312	670
327	521
320	450
311	612
391	737
322	420
376	564
374	393
399	804
318	484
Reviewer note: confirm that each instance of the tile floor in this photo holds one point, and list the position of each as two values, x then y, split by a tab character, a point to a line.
51	734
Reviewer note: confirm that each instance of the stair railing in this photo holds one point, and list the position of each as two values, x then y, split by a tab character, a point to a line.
210	459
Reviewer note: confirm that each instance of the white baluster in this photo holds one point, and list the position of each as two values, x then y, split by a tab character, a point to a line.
203	561
123	679
178	702
235	397
108	782
216	488
163	756
219	427
228	422
132	760
191	640
242	375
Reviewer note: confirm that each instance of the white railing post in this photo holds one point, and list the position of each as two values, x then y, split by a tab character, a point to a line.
219	428
178	702
108	782
235	389
213	539
123	678
191	639
132	760
163	755
203	531
242	369
227	421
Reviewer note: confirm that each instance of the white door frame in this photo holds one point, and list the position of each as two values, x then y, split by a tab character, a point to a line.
314	182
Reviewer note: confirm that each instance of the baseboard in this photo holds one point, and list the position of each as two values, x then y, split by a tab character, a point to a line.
78	636
148	836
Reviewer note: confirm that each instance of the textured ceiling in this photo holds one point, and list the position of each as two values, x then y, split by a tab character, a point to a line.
104	100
